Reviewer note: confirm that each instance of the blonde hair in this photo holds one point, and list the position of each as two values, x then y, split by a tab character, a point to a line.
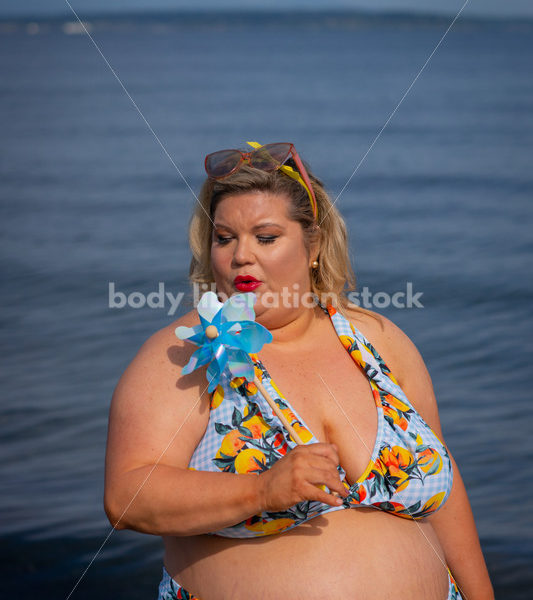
334	275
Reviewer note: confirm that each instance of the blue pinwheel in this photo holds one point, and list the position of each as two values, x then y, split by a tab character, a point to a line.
227	334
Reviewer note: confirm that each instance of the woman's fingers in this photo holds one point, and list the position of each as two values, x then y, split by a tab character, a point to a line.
332	480
320	449
326	463
320	495
301	475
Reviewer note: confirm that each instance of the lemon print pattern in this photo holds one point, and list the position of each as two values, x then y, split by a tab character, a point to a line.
408	475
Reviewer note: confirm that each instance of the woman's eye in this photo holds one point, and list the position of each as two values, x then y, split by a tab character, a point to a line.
221	239
266	239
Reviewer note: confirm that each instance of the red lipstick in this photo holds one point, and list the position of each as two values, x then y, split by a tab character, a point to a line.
246	283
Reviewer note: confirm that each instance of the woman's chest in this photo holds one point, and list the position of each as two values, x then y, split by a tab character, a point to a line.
333	398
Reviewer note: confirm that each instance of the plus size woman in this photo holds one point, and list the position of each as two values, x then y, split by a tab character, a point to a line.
369	504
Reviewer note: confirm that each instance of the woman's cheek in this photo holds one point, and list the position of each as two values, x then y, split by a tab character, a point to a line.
218	275
218	262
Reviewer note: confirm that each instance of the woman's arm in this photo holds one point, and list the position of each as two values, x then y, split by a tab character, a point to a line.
156	420
454	522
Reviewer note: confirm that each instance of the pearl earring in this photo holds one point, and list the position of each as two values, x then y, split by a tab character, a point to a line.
314	264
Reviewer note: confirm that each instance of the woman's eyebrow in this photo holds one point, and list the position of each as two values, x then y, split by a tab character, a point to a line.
218	225
267	224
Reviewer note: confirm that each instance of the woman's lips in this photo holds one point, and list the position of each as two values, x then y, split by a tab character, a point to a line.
246	283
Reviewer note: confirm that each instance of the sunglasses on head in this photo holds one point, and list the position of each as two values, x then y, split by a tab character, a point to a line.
269	157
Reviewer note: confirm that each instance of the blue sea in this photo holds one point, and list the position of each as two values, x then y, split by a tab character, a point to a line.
90	198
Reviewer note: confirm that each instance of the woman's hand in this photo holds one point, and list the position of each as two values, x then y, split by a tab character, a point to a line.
296	477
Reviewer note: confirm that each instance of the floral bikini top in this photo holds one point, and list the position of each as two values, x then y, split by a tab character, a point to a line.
409	473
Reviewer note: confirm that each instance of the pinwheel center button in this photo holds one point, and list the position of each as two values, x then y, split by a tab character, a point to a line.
211	332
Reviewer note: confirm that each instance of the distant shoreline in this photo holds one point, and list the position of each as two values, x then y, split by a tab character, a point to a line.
334	19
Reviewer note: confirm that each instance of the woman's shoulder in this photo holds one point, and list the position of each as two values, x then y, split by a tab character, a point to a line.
165	338
152	401
375	327
394	346
159	360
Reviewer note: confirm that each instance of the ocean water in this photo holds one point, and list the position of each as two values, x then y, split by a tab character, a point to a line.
442	202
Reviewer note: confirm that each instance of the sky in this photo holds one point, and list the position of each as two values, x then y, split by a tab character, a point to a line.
489	8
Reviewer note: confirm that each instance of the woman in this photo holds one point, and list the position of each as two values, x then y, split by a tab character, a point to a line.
370	505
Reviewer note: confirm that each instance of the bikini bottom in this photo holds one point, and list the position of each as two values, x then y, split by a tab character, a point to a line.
169	589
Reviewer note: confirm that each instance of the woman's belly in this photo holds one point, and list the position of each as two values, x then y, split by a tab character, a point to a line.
352	554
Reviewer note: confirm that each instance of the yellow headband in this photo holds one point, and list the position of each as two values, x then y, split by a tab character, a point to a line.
291	173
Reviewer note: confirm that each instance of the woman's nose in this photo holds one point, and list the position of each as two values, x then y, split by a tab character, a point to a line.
243	253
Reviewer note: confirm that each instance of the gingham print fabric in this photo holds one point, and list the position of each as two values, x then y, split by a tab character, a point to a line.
409	473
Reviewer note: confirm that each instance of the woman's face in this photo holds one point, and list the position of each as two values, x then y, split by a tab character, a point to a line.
254	238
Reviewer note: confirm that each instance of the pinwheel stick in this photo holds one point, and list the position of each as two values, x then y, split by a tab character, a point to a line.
211	333
286	423
278	412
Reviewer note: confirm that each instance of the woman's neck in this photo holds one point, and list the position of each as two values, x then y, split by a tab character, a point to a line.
293	328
